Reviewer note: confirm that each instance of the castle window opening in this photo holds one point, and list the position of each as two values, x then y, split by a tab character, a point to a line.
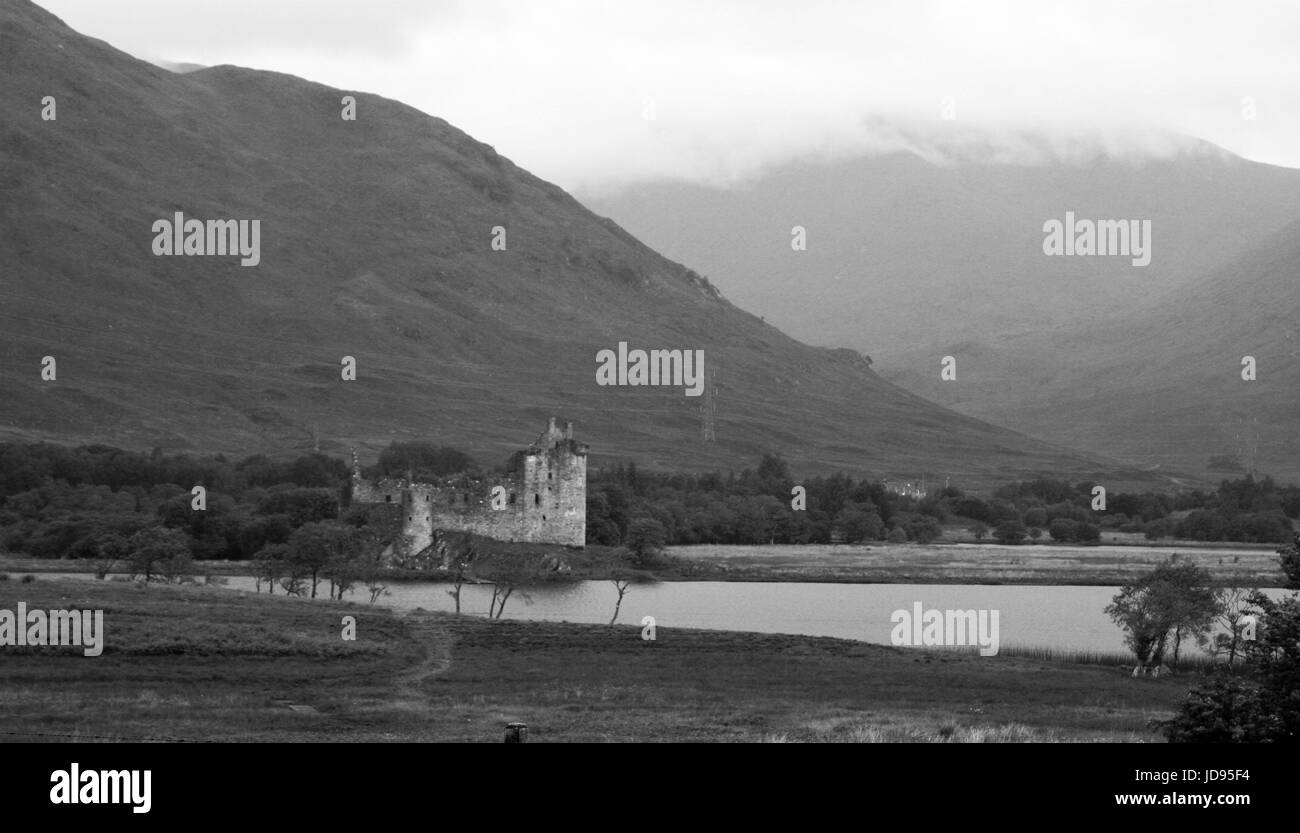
512	498
537	499
388	498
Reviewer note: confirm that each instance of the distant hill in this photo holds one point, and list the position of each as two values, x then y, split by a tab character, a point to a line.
377	244
1163	382
910	260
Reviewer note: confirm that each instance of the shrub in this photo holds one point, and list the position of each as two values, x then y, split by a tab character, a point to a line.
1086	533
1010	532
1061	529
28	579
645	540
924	530
1226	710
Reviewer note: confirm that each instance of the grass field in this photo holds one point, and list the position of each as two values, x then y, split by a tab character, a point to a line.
970	564
198	663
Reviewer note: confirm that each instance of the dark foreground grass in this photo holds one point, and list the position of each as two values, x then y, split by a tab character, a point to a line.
197	663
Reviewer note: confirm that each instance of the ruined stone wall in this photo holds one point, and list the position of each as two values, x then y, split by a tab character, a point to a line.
545	498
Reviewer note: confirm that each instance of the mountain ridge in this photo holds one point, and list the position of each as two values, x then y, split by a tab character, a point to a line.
377	244
911	261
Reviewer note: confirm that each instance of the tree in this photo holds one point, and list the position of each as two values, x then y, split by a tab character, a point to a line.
645	540
179	569
109	549
293	579
301	506
1061	529
1192	601
459	558
269	566
1010	531
979	529
1228	709
344	570
373	576
1261	701
620	586
1289	561
425	460
924	530
508	573
263	530
601	528
860	522
1086	533
1233	617
1172	599
1273	660
774	476
501	592
158	552
321	546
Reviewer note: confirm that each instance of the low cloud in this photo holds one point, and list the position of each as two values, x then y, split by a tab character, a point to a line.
594	94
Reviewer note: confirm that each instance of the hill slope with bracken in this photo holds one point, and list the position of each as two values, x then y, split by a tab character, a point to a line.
1163	383
376	243
910	258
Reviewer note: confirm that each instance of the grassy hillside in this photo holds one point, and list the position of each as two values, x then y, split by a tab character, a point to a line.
377	244
1163	385
910	260
906	257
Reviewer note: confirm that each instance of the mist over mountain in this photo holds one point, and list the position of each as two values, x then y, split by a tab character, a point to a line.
180	68
376	243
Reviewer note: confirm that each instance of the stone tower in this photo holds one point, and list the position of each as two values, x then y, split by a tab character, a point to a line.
542	498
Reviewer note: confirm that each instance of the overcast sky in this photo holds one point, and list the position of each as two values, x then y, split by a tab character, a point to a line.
594	94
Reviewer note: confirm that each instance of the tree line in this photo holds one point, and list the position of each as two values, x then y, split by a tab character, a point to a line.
1253	696
111	505
755	506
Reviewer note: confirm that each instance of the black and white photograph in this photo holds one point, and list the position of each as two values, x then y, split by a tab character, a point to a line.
482	371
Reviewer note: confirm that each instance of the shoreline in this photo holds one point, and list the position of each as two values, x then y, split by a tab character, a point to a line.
248	667
1104	565
1261	581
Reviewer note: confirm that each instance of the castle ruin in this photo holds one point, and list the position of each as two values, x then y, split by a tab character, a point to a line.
543	497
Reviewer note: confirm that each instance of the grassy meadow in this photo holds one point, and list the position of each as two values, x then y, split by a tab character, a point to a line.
1234	565
193	663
